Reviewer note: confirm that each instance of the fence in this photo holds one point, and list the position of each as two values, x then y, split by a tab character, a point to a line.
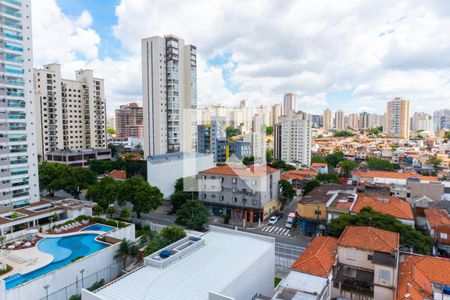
153	226
71	291
285	255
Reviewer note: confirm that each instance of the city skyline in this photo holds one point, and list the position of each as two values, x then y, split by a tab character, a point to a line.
232	67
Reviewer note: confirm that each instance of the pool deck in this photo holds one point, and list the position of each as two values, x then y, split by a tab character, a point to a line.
27	260
24	260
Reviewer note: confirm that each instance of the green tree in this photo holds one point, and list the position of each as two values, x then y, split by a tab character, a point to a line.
124	251
334	159
309	186
248	160
286	189
110	211
231	132
269	130
177	199
447	135
347	167
104	192
317	159
281	164
193	214
435	162
48	173
171	234
409	237
185	189
377	164
114	151
343	133
83	178
125	214
97	209
110	131
140	194
269	155
327	178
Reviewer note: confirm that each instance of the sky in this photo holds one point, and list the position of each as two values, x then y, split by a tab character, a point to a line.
351	55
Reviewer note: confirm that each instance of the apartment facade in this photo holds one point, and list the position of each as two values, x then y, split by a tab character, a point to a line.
129	121
397	122
367	264
292	138
242	192
18	158
441	119
339	120
169	89
327	120
72	113
276	113
289	103
422	122
353	121
364	120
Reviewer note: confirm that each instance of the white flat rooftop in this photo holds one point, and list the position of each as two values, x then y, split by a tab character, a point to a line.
211	268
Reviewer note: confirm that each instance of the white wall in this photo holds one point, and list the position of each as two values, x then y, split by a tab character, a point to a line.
124	233
62	277
258	278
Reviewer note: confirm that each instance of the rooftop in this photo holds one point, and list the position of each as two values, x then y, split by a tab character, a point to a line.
395	175
318	258
436	217
223	256
167	157
388	205
298	174
369	238
417	274
322	193
118	174
241	170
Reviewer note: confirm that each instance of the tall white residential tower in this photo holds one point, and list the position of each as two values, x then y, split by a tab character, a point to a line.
18	159
169	90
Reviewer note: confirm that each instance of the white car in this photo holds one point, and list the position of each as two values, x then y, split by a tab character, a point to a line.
273	220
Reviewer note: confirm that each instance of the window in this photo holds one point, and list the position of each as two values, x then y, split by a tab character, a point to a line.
369	257
384	276
234	199
443	236
234	180
351	255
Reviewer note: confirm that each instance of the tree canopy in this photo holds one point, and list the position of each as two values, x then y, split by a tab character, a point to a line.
347	167
193	214
105	192
248	160
309	186
287	190
343	133
409	237
281	164
334	159
140	194
269	130
327	178
317	159
378	164
231	132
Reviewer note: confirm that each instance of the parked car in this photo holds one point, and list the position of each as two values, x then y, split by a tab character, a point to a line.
290	220
273	220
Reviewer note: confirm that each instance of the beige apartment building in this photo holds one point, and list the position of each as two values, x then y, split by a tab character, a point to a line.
71	114
129	121
397	122
327	120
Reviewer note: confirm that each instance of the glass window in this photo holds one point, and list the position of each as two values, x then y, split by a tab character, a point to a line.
351	255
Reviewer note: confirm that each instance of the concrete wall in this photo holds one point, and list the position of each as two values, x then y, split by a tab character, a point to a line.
360	261
124	233
62	277
258	278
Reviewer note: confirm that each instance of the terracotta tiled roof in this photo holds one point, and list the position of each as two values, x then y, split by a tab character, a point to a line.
318	165
436	217
369	238
240	170
298	174
118	174
318	258
396	175
417	273
388	205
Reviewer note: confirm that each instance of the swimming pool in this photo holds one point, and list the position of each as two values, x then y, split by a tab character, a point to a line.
64	250
98	227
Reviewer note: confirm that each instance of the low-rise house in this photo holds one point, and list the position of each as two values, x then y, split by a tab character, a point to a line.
298	177
312	208
321	168
386	177
423	277
367	264
311	273
241	192
393	206
341	202
118	175
77	158
438	226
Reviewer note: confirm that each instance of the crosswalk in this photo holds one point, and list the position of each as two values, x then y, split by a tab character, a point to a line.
276	230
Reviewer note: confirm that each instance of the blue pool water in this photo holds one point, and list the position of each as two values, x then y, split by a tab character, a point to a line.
99	227
64	250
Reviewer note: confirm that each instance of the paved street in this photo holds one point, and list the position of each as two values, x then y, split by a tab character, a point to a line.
276	230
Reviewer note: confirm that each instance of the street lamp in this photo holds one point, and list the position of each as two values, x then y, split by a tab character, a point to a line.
46	291
82	278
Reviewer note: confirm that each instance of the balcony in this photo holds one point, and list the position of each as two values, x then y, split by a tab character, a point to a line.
355	281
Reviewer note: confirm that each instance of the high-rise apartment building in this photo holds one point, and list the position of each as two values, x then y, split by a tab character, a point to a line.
292	138
364	120
422	121
289	103
276	113
71	113
339	120
353	121
129	121
169	90
18	158
376	120
317	121
441	119
327	120
397	119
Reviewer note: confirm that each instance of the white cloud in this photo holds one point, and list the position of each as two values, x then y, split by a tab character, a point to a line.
312	47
